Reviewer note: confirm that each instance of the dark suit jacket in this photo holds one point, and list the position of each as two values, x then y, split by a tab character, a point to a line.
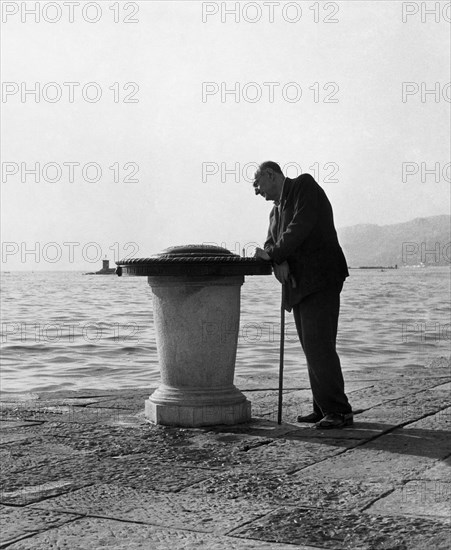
302	232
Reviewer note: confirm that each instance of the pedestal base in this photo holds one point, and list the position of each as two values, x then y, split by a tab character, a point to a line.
190	415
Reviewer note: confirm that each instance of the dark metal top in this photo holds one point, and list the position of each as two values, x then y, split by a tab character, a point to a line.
195	250
193	260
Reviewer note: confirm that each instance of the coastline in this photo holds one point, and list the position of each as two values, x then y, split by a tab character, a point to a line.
84	469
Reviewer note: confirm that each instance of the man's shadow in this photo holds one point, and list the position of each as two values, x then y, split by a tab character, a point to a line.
394	438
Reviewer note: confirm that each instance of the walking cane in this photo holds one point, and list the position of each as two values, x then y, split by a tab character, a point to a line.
282	345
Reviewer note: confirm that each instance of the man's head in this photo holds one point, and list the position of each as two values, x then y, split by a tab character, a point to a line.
268	180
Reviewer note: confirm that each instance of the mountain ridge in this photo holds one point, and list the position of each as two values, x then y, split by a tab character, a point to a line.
420	241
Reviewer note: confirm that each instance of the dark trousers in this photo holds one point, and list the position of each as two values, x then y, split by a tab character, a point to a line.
316	318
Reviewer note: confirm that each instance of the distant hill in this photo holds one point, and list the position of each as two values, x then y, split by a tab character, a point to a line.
419	241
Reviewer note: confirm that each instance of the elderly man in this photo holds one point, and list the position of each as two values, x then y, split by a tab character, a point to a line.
302	244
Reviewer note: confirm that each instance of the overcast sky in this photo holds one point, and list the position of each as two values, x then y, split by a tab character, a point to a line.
356	93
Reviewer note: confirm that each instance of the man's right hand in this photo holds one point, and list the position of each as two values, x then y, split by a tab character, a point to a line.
262	254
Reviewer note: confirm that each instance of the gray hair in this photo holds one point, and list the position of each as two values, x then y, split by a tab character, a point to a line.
271	165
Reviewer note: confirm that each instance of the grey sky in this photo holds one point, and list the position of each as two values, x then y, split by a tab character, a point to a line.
177	137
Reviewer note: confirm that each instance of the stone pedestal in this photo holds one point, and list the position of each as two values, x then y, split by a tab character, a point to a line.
196	303
197	322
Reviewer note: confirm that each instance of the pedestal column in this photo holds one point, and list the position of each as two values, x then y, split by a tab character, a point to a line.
197	323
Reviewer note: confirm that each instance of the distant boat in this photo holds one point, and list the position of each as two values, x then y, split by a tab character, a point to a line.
106	269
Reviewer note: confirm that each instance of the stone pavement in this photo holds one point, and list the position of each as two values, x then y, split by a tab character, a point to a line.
84	470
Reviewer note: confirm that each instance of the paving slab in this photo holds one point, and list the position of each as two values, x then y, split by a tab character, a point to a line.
180	511
195	447
12	437
7	425
264	427
439	421
394	456
445	387
419	498
18	397
28	454
69	413
40	403
278	489
15	430
95	533
132	402
135	471
51	432
440	471
259	427
386	391
409	408
51	407
348	531
26	491
289	455
361	431
16	523
107	440
355	385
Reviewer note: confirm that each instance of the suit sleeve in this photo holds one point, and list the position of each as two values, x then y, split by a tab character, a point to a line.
304	219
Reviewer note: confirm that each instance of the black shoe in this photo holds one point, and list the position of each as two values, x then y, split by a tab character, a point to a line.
310	418
335	421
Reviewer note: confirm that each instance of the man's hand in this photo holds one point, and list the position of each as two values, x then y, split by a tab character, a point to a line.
261	254
282	273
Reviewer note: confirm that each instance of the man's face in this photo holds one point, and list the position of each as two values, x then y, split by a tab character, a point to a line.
263	184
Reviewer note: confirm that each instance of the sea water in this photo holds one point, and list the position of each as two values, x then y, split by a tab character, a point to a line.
68	331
